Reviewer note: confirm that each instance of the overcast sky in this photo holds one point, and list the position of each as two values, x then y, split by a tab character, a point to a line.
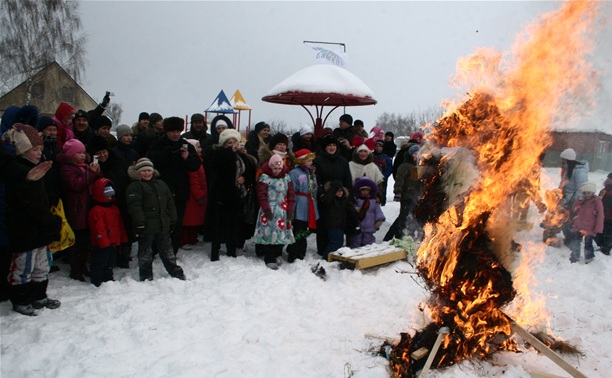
174	57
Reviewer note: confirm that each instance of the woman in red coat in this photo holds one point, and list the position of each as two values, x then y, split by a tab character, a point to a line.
195	211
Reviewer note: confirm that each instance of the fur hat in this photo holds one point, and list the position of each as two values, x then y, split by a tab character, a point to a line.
142	164
63	110
197	117
568	154
260	126
275	161
365	182
276	139
155	117
229	134
143	115
123	130
347	118
44	122
414	148
305	129
174	124
81	114
23	138
72	147
329	139
96	144
588	187
303	155
28	115
103	121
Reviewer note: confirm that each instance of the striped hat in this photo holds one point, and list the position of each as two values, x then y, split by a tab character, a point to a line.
142	164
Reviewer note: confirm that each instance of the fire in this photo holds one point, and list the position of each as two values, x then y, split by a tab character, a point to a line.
481	151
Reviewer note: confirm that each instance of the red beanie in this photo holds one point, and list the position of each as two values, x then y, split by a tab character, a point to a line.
63	110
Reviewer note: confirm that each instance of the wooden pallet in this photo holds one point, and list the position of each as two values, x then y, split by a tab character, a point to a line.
368	256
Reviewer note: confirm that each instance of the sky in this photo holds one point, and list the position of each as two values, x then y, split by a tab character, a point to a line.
237	318
175	57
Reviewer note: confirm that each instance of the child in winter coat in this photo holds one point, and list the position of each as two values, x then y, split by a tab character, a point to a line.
606	197
76	175
306	210
588	220
195	211
151	206
30	227
334	220
277	200
107	231
370	213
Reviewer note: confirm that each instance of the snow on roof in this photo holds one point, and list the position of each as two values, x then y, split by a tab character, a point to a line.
221	105
322	78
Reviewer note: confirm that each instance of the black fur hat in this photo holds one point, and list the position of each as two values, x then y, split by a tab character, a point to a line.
103	121
97	143
174	124
278	138
81	114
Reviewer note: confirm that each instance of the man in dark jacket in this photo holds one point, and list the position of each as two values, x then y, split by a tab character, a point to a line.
174	158
347	136
198	129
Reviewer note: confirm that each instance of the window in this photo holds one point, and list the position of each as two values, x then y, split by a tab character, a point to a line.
38	91
68	94
602	148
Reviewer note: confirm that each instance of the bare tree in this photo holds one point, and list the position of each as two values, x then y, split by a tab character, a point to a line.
408	123
279	126
34	33
114	112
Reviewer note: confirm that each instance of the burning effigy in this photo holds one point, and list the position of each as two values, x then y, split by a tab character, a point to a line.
478	154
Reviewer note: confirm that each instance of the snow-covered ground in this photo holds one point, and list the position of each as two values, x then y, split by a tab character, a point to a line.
237	318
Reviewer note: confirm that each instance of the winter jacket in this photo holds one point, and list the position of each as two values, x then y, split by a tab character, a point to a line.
364	168
116	170
150	203
332	167
588	215
352	136
63	133
580	175
253	144
140	142
195	211
389	148
305	186
400	157
299	143
373	215
336	208
52	177
173	169
214	135
106	227
407	183
126	153
384	163
75	182
29	222
84	136
606	199
201	136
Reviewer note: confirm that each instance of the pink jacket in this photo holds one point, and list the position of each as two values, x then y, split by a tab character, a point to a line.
589	215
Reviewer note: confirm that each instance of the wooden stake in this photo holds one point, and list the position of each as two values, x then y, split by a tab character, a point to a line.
542	348
443	331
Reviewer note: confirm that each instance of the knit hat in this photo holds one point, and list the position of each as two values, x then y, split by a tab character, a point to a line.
103	121
363	147
260	126
389	133
174	124
81	114
417	135
63	110
229	134
276	139
221	122
44	122
143	115
347	118
337	185
142	164
376	130
380	142
588	187
305	129
72	147
109	191
197	117
358	122
329	139
155	117
568	154
414	148
23	138
275	161
304	155
123	130
610	175
96	144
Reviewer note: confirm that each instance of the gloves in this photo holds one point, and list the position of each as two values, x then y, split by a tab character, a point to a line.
139	232
290	215
397	198
268	214
106	100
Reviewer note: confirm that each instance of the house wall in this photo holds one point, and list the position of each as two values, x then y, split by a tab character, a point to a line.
595	147
55	86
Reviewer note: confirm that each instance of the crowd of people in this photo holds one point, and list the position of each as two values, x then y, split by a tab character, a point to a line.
167	188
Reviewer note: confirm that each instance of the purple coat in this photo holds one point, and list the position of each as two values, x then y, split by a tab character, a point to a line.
373	215
75	182
589	215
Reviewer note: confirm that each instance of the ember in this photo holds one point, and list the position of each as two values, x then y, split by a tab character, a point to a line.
478	154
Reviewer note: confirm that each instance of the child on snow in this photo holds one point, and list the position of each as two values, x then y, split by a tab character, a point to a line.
334	219
277	200
106	230
370	213
195	211
30	227
306	211
588	220
151	205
